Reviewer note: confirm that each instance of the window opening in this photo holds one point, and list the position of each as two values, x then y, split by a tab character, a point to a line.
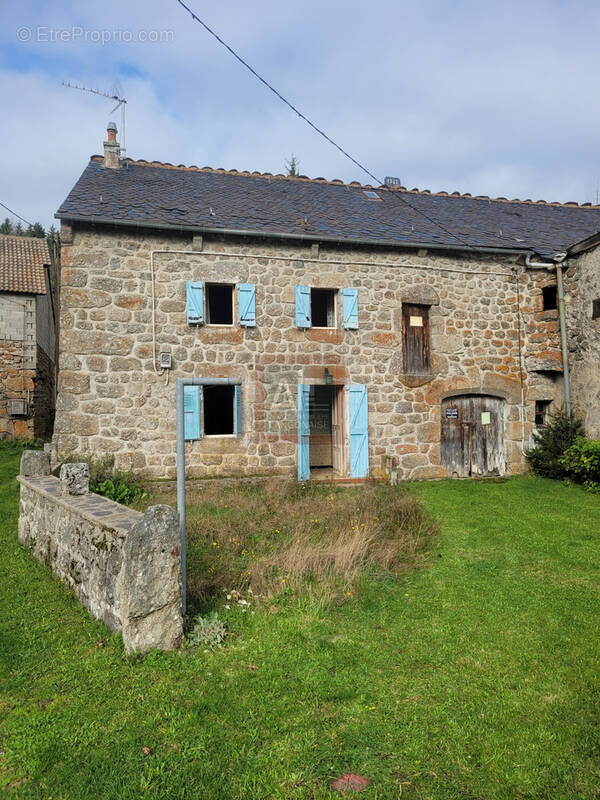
218	410
322	308
219	304
541	412
549	297
415	335
596	309
371	195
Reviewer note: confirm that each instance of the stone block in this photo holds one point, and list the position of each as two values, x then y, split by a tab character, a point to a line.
35	463
75	479
150	582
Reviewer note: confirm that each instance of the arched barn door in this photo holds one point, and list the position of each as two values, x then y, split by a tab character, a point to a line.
472	441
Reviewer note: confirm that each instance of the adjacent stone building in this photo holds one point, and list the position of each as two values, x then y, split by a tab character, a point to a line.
582	282
27	338
334	329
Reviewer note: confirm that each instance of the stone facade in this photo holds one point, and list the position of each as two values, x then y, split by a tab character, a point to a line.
488	334
124	566
582	287
27	364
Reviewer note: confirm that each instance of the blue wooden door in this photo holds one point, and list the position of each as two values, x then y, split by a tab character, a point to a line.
303	432
359	431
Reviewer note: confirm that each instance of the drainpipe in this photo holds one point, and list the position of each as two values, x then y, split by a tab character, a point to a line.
180	460
563	334
558	263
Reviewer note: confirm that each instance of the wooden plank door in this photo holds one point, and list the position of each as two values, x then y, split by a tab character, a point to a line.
472	436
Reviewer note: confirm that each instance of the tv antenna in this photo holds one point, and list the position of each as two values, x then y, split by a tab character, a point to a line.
121	103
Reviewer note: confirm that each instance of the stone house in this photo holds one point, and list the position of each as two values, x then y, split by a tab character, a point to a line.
334	329
27	338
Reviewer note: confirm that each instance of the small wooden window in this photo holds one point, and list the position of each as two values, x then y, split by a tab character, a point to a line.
549	297
415	338
596	309
541	412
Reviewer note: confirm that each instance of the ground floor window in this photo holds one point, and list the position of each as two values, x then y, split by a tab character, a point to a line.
212	410
218	410
541	412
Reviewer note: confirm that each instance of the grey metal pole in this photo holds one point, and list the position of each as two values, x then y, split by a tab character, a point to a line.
563	336
180	461
181	487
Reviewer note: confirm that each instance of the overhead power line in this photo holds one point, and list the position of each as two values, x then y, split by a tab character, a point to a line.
14	213
322	133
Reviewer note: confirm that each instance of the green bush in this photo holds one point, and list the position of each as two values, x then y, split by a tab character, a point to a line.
112	483
552	441
582	462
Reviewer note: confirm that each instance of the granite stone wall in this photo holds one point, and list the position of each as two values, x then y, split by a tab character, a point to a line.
582	287
124	566
488	333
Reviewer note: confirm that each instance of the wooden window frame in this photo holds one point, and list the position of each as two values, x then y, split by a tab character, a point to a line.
413	364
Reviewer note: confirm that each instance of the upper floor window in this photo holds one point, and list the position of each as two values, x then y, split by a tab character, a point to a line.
214	303
322	308
219	304
316	307
549	298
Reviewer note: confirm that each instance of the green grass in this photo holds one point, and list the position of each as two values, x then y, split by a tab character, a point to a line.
475	677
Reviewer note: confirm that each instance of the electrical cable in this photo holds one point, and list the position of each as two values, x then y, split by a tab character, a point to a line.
315	127
16	215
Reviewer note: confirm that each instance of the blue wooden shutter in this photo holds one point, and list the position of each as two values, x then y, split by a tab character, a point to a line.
195	302
350	308
247	304
238	411
359	431
303	432
192	428
303	307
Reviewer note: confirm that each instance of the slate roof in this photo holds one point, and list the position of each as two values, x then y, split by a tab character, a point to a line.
22	260
204	199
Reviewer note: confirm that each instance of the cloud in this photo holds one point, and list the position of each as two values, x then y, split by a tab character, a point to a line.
470	96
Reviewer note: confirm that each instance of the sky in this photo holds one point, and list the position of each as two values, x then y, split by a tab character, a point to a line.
492	98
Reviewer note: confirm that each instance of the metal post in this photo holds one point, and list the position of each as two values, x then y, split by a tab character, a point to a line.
181	488
180	461
563	336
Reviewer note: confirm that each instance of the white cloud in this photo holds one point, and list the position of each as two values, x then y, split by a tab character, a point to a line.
472	96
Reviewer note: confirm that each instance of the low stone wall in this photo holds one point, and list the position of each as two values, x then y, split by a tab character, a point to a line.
125	567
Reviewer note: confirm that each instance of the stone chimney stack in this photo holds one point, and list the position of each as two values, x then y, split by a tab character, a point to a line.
112	149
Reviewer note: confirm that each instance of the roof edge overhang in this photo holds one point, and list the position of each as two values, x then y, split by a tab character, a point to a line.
583	245
299	237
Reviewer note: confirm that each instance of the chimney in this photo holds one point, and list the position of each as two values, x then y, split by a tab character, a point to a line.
112	149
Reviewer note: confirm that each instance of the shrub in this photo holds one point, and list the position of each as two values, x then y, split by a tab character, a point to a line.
551	441
209	631
117	485
582	462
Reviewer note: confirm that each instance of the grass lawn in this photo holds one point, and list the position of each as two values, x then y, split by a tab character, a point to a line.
475	676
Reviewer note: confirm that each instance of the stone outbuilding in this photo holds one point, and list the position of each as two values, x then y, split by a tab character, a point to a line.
332	329
27	338
582	284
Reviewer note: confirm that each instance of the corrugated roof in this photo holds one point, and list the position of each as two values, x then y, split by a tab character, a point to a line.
22	260
192	198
